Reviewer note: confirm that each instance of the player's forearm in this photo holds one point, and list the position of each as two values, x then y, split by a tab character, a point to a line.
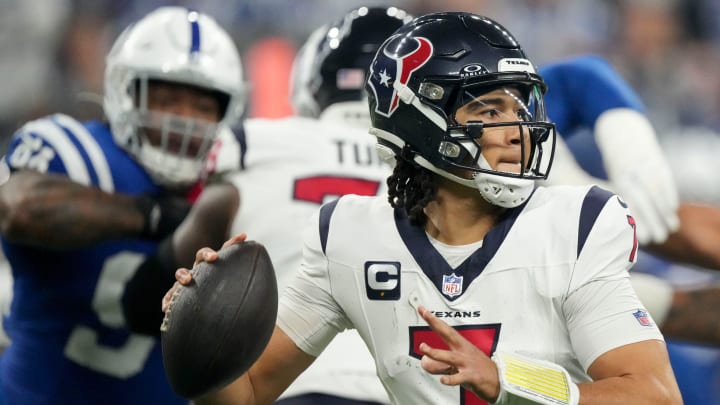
696	241
207	224
631	389
635	373
53	212
685	322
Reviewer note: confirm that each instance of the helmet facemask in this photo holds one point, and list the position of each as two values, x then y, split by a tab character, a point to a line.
513	112
459	154
481	112
172	148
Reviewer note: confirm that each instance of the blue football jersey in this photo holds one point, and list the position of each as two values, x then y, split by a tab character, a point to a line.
69	344
580	89
601	87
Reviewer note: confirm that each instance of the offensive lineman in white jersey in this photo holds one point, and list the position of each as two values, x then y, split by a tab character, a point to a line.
532	281
295	164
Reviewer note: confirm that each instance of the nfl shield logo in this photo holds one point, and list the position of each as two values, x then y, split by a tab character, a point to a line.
452	285
643	317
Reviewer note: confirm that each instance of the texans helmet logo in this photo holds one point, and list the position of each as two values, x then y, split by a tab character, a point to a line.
387	68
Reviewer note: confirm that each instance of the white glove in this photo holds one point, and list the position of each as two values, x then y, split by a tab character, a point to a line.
566	170
638	172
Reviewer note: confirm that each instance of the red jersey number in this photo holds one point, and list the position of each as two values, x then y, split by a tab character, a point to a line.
316	189
484	337
633	252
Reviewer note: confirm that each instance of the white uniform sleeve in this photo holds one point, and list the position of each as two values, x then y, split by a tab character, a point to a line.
307	312
226	153
601	277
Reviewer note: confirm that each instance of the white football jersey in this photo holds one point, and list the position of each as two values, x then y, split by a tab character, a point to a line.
292	166
550	281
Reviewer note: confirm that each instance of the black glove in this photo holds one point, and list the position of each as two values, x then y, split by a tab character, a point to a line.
146	287
162	213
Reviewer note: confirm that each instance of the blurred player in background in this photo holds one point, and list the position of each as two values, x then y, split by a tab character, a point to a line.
90	209
456	101
295	164
602	119
614	144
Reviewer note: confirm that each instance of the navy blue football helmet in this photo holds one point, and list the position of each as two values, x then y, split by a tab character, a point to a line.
438	63
331	66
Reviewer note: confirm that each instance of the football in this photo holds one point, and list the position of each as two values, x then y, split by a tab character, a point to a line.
217	326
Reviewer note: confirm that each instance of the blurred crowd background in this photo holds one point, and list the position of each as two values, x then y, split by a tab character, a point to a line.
52	56
52	51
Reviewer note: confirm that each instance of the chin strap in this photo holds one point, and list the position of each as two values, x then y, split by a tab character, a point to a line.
524	380
503	191
506	192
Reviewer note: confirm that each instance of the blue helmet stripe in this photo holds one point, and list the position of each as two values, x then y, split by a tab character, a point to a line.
194	32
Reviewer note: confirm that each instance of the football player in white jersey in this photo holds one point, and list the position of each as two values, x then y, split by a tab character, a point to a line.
531	282
293	165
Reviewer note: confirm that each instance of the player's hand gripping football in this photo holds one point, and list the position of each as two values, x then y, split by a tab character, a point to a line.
184	276
462	363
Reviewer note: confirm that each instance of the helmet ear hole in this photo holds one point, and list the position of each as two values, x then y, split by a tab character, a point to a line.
223	100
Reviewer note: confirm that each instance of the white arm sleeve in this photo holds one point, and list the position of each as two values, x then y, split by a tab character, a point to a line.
307	312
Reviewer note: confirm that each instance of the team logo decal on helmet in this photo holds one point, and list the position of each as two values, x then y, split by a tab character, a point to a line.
388	68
